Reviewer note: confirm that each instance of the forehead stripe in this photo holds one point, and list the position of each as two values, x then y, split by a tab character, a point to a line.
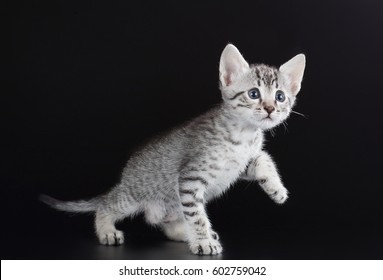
266	74
236	95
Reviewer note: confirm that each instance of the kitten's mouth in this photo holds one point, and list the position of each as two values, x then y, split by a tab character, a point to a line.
268	118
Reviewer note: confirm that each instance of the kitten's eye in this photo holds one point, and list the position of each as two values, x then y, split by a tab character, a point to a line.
254	93
280	96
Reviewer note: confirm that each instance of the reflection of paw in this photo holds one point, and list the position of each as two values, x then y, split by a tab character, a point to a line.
206	247
112	238
275	190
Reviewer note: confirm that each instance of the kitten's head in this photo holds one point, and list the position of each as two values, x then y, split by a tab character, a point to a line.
259	94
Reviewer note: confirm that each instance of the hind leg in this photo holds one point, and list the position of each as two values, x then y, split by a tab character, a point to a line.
175	230
174	227
157	213
115	206
106	231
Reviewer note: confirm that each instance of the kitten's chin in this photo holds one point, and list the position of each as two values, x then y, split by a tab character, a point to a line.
268	123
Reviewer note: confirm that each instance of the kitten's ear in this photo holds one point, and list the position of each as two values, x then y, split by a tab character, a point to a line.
293	70
231	65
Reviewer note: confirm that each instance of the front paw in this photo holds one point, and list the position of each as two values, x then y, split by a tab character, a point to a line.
275	190
115	237
206	247
280	195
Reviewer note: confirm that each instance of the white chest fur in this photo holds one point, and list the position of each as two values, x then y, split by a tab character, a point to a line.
233	159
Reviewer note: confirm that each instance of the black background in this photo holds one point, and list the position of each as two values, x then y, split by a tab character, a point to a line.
86	81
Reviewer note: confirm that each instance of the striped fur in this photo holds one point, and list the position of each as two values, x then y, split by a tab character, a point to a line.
172	178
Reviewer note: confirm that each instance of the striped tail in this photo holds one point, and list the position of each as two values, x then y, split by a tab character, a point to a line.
71	206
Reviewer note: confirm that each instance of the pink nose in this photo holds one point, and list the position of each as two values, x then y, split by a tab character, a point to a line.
269	109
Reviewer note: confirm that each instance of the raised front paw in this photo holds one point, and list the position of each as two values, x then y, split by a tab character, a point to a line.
206	247
275	190
280	195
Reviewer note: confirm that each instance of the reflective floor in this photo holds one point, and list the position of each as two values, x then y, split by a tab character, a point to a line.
46	234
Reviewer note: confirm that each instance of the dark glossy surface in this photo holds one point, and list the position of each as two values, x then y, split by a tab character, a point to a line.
269	232
88	81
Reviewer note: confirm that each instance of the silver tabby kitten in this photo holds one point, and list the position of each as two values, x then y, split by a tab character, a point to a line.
172	178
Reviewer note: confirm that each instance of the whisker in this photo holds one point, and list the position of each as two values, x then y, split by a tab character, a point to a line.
300	114
247	185
285	126
272	132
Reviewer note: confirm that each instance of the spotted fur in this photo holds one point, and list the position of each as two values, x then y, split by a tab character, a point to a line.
171	179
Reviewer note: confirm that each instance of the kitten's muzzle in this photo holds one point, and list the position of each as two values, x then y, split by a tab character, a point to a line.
269	109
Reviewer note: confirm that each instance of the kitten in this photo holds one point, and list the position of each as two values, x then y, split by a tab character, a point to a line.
172	178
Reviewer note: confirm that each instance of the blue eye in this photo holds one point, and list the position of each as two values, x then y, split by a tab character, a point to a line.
280	96
254	93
